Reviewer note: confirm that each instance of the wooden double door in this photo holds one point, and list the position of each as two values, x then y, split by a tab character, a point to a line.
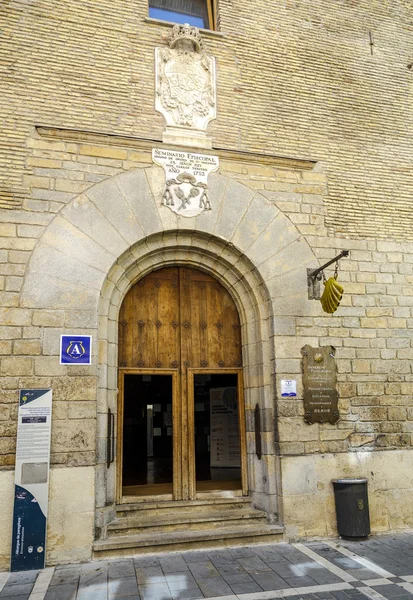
181	421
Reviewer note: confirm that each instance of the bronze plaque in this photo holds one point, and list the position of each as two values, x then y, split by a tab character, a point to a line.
320	385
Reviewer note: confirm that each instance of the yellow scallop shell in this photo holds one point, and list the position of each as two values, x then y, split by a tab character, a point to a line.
333	292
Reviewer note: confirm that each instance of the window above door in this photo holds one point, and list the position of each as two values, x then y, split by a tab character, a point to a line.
198	13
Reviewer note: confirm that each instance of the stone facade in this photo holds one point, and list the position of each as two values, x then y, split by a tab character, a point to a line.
315	157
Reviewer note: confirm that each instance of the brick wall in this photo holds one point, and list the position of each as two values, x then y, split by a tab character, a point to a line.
296	78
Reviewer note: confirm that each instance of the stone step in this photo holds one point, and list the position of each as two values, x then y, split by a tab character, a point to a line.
179	521
185	506
145	543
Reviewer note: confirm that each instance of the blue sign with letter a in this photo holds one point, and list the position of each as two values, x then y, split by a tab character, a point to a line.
75	349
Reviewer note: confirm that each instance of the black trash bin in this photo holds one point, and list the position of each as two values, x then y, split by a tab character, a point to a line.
352	507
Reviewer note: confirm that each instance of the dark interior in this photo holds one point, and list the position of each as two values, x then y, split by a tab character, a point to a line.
147	433
147	430
217	440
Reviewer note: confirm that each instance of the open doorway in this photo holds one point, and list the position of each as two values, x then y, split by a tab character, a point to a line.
217	432
147	435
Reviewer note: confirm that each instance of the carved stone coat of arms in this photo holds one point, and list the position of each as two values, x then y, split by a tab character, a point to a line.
186	180
185	80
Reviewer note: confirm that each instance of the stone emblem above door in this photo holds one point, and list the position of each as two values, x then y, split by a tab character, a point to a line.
185	88
186	180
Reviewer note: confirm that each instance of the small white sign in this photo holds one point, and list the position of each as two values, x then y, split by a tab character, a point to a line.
288	387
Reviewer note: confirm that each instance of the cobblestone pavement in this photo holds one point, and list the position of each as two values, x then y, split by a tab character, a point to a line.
377	568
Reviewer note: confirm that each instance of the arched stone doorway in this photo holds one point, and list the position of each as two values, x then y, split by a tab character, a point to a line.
237	274
103	241
181	417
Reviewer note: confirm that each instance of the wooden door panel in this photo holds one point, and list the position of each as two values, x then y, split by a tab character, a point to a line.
179	317
149	322
167	324
231	332
145	306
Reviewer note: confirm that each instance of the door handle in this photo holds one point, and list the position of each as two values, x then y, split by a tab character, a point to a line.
110	448
257	419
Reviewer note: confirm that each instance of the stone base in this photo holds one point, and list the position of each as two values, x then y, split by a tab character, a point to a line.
178	136
70	526
308	495
6	517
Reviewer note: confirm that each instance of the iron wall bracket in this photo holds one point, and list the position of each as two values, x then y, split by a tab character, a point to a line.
314	276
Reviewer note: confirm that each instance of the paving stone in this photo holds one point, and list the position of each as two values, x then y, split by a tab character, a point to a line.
155	591
253	565
231	569
93	579
22	577
269	581
362	574
238	578
145	561
243	552
321	576
150	575
172	564
203	570
297	582
62	592
194	557
65	575
120	588
398	543
390	591
17	589
335	557
122	568
20	597
220	555
245	588
271	555
287	569
214	586
223	573
189	594
93	593
340	595
393	567
355	594
274	564
180	580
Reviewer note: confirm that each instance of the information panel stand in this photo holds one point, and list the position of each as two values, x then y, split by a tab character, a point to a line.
31	480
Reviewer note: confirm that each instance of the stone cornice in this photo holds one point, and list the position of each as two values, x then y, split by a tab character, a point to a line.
110	139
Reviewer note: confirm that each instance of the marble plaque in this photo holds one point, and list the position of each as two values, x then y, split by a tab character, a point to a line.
186	180
320	385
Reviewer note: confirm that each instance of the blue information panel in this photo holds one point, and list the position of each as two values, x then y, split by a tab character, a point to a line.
75	350
31	480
